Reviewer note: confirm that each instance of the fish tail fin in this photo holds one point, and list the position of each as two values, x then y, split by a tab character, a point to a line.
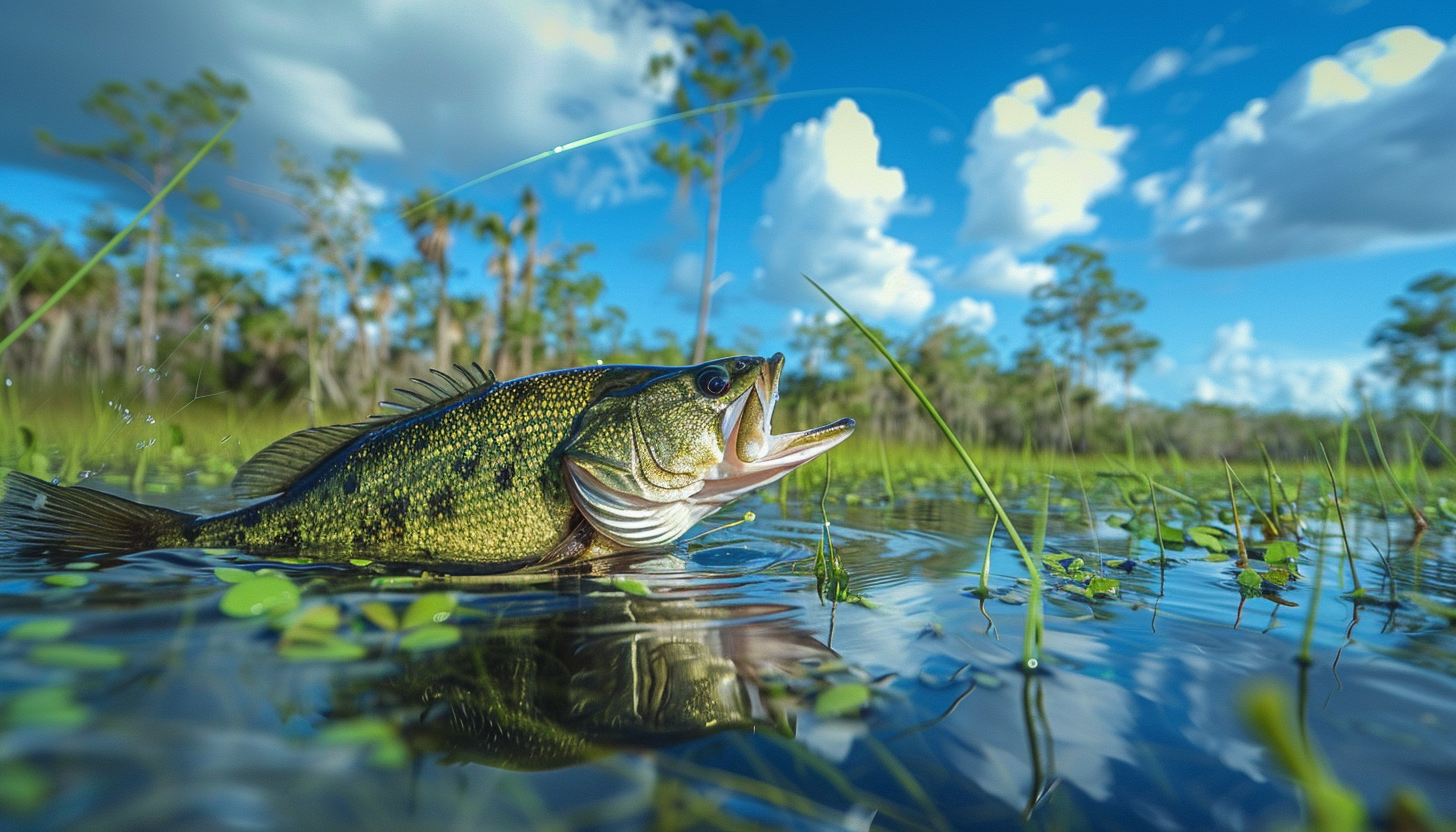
38	518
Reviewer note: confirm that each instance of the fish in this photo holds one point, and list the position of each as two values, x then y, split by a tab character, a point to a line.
549	468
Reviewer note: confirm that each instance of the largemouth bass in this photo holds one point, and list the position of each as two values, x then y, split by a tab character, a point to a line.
548	468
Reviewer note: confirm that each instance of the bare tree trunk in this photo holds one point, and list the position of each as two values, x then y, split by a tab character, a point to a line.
710	257
442	322
59	323
150	278
528	283
505	268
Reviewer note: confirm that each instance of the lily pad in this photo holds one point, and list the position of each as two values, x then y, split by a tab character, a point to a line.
77	656
380	615
50	707
67	579
1281	551
271	594
41	629
331	648
430	637
842	700
232	575
430	608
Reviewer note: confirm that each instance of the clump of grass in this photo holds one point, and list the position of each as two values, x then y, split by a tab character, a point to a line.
1031	643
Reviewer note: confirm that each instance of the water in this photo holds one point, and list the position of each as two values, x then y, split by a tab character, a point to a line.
709	687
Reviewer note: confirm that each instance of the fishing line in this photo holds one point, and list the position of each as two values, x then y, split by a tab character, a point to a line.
760	100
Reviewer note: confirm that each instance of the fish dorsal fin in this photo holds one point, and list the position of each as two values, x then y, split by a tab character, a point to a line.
468	381
277	467
285	462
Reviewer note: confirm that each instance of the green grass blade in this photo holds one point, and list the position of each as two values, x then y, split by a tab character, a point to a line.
18	281
1417	517
116	240
1032	643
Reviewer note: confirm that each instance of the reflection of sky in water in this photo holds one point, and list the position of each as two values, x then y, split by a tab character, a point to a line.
1140	731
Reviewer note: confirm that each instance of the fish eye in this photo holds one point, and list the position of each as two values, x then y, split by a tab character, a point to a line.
713	381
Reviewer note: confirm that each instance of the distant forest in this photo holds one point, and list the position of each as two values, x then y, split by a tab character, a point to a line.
159	313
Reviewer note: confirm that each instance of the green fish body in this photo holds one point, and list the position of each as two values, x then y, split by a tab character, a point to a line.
546	468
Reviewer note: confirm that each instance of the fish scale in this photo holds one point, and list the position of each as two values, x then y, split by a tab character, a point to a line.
430	486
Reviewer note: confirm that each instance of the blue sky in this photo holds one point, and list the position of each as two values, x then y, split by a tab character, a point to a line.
1267	174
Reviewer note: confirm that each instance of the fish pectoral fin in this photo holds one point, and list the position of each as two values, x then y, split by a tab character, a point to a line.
629	520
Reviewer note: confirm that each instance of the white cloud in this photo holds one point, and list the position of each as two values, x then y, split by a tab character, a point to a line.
1032	177
596	184
1237	374
1219	58
686	275
825	215
1163	65
998	270
1049	54
1343	157
978	316
322	105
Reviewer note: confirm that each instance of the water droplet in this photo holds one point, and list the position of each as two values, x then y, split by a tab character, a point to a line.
9	382
86	475
150	420
140	368
55	480
557	149
206	327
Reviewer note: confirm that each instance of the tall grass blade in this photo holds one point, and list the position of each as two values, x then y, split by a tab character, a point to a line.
20	278
1417	517
117	238
1340	516
1031	644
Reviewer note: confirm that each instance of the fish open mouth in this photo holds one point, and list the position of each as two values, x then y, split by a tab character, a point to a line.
753	455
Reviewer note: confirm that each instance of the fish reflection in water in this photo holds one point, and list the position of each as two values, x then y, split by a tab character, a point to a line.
552	690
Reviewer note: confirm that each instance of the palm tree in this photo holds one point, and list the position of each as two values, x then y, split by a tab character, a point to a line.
430	217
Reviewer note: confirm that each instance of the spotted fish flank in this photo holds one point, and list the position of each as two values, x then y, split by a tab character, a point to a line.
563	464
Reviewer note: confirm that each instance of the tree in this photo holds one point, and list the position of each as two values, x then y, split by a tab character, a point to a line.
160	129
1083	298
1420	342
723	61
430	217
517	319
337	225
1129	349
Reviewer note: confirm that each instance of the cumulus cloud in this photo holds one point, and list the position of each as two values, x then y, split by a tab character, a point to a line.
978	316
1341	158
459	86
1238	374
825	215
1033	175
999	270
1163	65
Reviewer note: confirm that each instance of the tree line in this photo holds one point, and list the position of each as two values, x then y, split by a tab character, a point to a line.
165	311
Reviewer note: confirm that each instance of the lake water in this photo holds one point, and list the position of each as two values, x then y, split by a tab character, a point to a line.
709	687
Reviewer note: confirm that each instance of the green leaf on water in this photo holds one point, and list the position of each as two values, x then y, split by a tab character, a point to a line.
1281	551
387	750
41	629
22	788
77	656
631	587
1250	582
329	648
82	566
1102	585
232	575
315	622
380	615
430	637
270	594
1204	537
67	579
842	700
1116	521
360	561
50	707
394	582
430	608
1278	575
